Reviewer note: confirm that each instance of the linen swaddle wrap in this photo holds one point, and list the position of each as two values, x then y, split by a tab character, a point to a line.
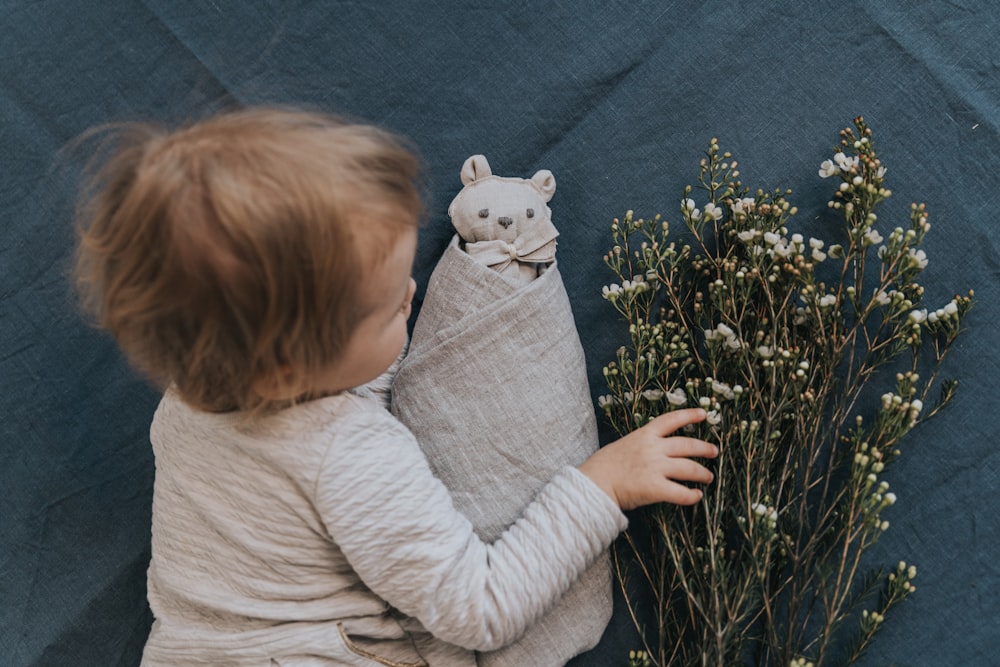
494	387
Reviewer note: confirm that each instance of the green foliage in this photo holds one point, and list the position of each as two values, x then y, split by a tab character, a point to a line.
779	338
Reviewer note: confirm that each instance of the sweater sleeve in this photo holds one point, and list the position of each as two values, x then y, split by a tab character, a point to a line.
397	526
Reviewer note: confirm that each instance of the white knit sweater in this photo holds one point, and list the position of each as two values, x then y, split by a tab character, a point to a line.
294	539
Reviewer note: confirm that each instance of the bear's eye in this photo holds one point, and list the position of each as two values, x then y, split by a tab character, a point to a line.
484	213
531	213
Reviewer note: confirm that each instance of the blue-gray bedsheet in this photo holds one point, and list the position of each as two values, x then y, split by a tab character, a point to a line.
618	100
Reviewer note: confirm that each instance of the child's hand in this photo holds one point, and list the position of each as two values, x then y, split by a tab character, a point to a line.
642	467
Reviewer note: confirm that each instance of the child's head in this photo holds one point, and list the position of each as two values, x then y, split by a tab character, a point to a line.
235	258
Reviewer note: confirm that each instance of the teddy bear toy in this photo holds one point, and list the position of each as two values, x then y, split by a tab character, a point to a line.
505	223
495	350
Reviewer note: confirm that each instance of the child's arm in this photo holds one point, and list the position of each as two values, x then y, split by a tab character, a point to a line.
397	526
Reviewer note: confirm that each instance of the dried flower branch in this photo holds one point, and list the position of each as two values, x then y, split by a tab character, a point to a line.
779	338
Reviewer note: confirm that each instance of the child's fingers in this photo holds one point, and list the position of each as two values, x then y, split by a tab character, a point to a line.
688	470
678	494
690	447
669	422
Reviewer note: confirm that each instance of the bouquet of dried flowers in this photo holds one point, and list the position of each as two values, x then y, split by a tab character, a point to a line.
783	340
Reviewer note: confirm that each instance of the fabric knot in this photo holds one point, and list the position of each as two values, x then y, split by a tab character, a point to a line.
538	247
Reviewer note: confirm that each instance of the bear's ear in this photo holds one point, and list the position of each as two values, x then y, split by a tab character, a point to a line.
475	168
545	182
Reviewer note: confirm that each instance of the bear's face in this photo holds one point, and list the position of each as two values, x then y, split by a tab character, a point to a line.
498	209
493	208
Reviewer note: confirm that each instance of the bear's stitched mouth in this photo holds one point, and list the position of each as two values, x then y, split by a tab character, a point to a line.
505	222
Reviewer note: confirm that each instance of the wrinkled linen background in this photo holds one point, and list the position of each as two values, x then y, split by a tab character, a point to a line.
619	100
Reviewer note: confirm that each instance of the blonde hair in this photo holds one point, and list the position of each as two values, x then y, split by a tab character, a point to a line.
234	249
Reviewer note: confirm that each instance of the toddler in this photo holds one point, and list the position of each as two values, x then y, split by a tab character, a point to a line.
256	266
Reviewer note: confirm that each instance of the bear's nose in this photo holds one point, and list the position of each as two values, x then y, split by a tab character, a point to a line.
505	221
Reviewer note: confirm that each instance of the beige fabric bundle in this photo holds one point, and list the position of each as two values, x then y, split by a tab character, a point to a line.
495	389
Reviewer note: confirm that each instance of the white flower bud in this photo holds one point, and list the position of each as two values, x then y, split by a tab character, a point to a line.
677	397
